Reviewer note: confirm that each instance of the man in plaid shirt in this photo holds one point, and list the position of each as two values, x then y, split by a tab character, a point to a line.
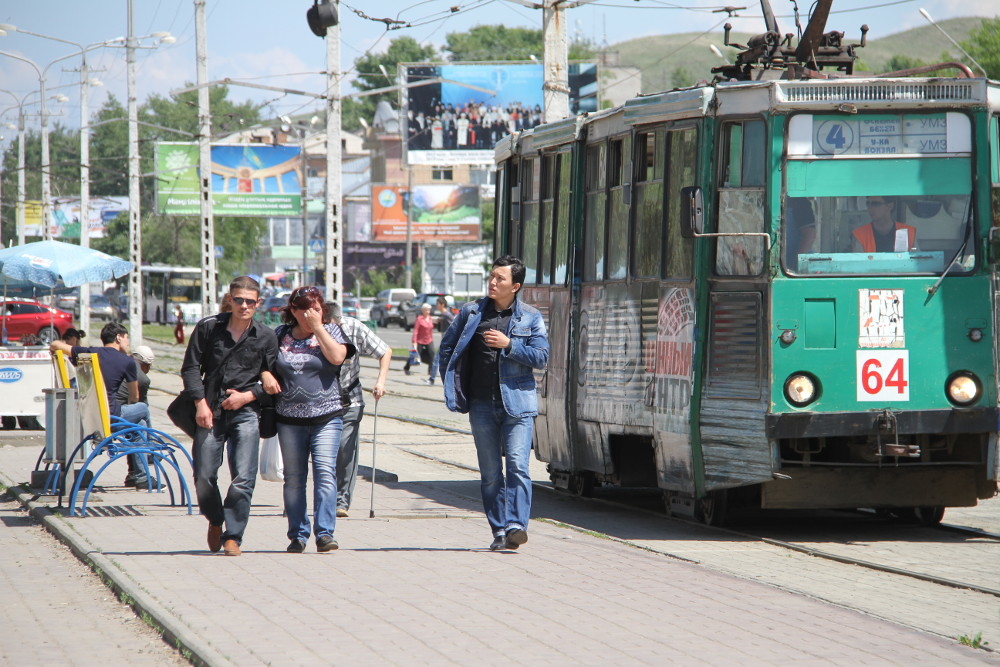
367	343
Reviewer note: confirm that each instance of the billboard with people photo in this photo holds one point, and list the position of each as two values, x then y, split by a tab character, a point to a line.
455	113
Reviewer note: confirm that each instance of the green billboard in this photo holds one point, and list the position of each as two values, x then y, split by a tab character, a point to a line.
247	180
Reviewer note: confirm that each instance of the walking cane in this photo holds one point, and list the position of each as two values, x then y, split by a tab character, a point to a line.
371	511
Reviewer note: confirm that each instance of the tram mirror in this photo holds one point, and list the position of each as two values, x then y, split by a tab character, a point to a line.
692	212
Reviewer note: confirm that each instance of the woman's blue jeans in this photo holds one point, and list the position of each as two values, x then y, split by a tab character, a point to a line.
506	498
321	442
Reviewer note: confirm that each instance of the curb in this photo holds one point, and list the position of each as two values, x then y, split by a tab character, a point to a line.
171	630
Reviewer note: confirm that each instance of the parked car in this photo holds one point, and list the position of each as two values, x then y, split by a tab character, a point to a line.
68	301
101	308
365	309
31	322
386	307
350	305
409	310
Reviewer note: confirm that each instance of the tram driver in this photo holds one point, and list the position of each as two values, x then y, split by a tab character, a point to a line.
883	233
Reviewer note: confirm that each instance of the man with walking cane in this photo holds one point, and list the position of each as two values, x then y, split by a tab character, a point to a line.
366	342
488	355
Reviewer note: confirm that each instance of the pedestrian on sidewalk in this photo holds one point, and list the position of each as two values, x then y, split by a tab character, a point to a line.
179	326
488	355
423	341
309	411
366	342
226	357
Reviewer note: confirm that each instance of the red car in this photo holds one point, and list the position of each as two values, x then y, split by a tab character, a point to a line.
30	322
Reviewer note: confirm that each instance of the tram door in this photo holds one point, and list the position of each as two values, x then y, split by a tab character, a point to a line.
734	395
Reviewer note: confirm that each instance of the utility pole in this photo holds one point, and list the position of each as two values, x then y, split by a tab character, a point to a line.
555	61
134	218
334	164
84	184
208	269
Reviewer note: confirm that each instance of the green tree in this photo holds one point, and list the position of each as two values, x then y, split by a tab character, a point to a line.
498	42
984	45
680	77
901	62
370	77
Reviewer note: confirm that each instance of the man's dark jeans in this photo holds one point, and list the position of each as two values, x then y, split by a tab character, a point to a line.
238	431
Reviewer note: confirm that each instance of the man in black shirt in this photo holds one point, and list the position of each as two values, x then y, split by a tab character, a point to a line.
222	373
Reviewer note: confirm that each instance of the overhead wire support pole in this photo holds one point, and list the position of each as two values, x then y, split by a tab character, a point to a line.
209	276
332	258
134	213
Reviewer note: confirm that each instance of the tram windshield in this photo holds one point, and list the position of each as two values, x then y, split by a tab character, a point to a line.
878	195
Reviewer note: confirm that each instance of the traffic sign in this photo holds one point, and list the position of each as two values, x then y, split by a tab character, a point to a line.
220	252
317	245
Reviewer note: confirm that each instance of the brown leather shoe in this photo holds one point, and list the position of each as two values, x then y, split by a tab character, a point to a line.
214	538
231	548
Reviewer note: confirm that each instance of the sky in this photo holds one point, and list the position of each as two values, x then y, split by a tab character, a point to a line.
268	41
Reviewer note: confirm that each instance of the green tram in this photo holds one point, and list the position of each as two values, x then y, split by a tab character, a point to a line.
722	326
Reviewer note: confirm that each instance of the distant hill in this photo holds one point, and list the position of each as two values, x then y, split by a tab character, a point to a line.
668	61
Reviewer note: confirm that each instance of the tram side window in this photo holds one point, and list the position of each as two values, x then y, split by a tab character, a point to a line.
545	219
595	212
562	219
648	242
531	176
682	158
741	199
618	237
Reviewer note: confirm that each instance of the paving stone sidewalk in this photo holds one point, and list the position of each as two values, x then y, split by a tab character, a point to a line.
416	584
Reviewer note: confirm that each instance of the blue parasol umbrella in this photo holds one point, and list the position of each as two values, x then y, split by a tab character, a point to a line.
45	262
55	264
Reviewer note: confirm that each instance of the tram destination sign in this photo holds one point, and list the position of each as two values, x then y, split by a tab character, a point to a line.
247	180
876	135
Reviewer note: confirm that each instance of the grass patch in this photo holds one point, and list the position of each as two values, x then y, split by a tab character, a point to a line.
975	641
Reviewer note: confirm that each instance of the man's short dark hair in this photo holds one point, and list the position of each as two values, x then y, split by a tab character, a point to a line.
516	267
111	331
245	283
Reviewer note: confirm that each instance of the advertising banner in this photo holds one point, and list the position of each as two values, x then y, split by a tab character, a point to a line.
65	223
438	213
247	180
468	107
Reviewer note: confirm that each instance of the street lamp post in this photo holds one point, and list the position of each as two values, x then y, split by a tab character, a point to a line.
82	51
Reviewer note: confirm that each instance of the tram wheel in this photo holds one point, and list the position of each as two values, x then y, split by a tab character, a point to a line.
582	484
710	509
928	516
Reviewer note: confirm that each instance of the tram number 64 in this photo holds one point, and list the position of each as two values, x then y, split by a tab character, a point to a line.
883	375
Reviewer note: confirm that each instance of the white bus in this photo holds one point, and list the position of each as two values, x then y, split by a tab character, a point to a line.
166	287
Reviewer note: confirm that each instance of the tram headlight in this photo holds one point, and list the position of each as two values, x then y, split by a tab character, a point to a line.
975	335
963	388
801	389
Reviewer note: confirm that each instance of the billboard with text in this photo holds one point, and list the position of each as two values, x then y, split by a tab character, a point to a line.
247	180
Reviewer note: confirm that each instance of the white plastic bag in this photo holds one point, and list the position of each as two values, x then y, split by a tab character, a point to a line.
271	467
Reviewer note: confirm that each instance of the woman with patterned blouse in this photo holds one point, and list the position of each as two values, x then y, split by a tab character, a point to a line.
309	412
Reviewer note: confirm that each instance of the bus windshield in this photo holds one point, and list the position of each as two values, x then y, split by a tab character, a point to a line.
878	194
